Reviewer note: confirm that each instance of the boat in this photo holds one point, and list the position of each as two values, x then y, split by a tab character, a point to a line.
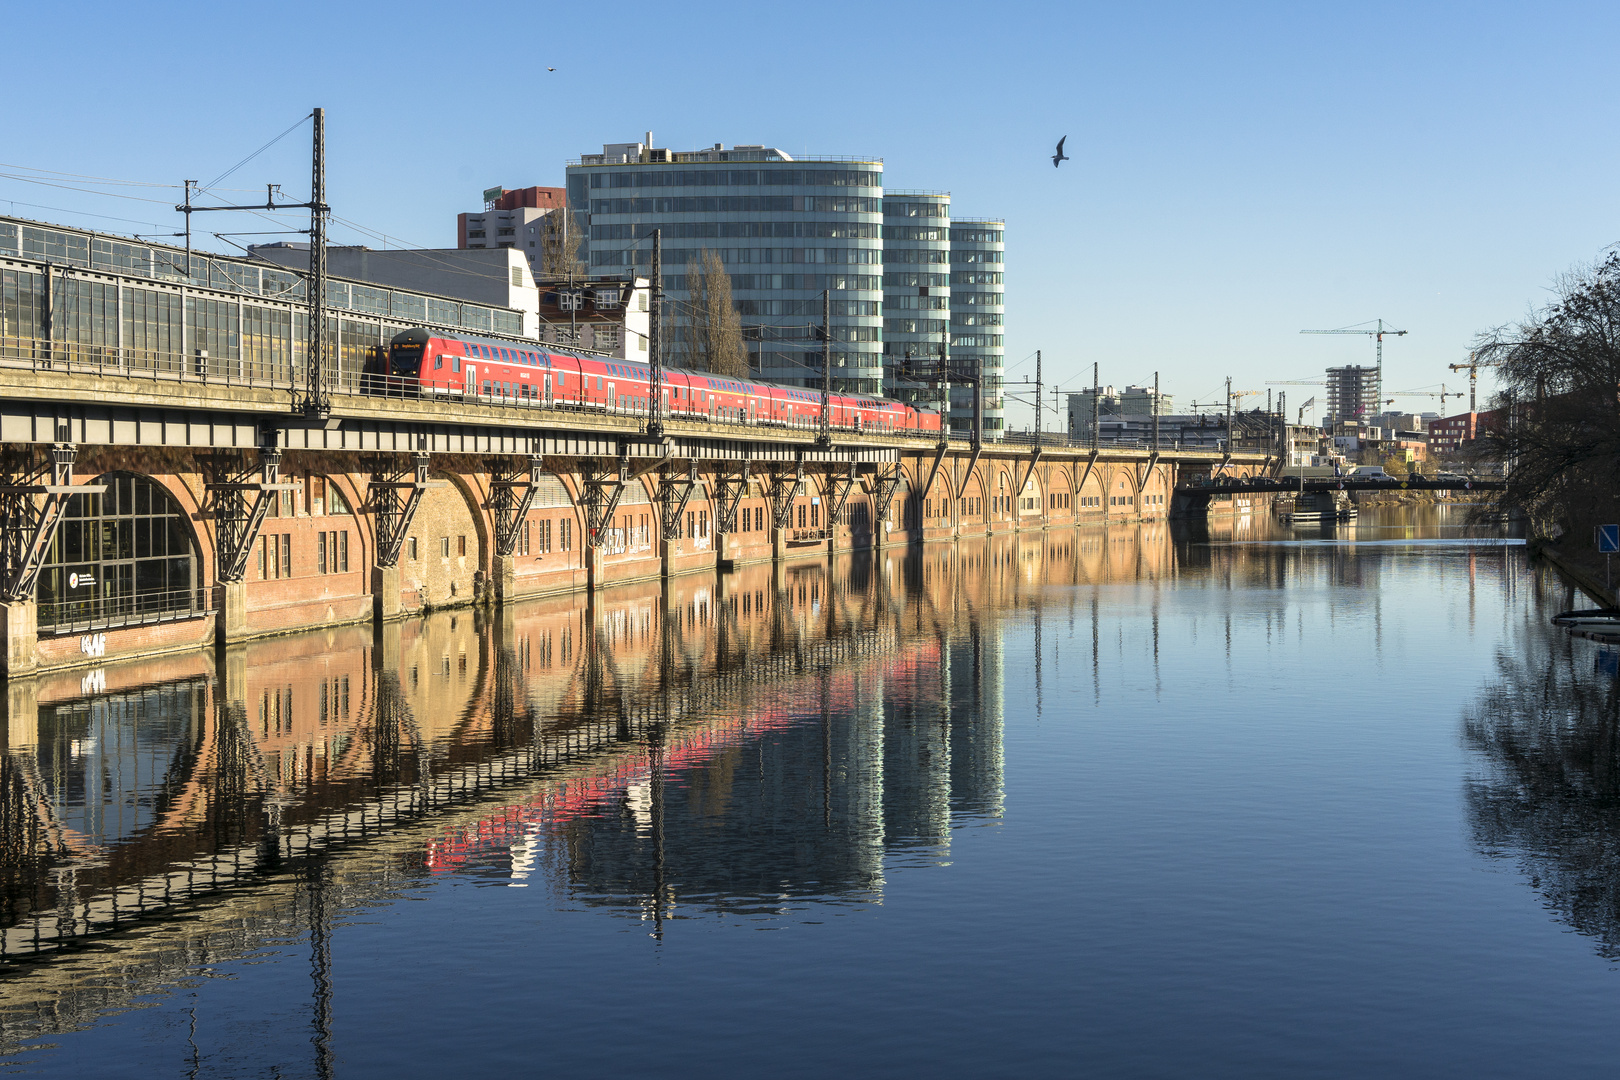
1607	618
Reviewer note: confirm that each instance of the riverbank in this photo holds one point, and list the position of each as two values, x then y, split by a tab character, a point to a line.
1587	578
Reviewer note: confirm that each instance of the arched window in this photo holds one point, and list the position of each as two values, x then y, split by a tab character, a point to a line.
124	557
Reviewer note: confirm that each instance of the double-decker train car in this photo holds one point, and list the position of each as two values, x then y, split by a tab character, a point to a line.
428	362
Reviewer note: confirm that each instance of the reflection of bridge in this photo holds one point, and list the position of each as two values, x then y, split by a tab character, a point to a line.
314	774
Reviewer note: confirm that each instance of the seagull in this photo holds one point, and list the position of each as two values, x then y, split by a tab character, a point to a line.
551	69
1060	155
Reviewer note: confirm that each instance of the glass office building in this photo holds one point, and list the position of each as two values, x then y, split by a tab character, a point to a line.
978	333
916	293
784	229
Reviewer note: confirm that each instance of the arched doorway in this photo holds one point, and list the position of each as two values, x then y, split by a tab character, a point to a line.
121	558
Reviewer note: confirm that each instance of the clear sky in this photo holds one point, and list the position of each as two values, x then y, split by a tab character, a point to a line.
1241	171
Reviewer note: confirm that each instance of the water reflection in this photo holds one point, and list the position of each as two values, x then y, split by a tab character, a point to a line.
1548	730
741	747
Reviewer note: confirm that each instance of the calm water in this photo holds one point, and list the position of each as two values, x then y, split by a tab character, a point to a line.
1120	802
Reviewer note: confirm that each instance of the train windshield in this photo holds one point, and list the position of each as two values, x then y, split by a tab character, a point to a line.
405	359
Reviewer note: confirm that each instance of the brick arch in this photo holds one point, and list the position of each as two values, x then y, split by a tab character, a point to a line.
364	524
1156	486
1090	485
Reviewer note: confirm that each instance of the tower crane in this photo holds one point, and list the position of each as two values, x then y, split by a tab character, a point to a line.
1377	334
1442	394
1472	367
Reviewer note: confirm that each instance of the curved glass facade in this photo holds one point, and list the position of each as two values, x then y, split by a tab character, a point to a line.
916	293
785	230
978	333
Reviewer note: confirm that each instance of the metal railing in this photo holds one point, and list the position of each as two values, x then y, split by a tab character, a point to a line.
133	609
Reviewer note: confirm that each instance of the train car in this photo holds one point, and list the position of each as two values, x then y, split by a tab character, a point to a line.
425	362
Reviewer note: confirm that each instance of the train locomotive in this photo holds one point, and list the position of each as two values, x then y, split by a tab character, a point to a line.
428	362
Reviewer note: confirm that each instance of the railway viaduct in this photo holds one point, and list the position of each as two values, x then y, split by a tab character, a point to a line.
147	511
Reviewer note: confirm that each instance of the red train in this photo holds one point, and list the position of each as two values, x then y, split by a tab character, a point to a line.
422	361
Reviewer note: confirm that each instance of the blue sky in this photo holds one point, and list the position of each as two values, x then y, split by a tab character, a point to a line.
1240	171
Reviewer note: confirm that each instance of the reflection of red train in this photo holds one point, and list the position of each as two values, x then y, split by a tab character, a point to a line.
912	675
418	361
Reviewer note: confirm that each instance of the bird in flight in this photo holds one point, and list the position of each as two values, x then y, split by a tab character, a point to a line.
1060	155
551	69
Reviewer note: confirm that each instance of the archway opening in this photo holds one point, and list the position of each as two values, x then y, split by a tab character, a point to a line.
121	558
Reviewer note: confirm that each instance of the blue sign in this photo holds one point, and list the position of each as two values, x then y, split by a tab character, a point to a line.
1608	539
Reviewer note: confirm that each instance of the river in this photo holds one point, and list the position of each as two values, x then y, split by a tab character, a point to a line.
1135	801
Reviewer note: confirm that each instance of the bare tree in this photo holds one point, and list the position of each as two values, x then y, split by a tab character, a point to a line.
714	340
1557	422
559	246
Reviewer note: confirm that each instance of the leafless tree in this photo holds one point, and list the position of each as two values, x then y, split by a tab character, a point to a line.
1557	420
714	340
559	246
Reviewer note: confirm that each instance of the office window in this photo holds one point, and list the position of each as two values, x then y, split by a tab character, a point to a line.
320	552
286	554
566	536
413	551
520	544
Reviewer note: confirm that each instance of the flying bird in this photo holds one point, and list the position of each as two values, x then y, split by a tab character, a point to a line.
551	69
1060	155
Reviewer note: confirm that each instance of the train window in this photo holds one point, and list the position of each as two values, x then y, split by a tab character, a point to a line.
438	362
455	363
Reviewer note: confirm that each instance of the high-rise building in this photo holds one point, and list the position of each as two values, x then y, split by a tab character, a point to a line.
916	294
784	229
1352	394
978	333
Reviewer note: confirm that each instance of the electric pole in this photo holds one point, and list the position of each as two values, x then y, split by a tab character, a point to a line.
316	403
1229	414
655	355
825	437
1096	406
1037	398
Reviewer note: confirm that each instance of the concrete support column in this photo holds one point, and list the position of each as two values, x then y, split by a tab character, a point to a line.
21	726
593	567
503	578
778	542
19	619
385	603
230	611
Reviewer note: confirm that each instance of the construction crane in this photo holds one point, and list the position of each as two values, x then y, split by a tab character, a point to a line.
1377	334
1442	394
1472	367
